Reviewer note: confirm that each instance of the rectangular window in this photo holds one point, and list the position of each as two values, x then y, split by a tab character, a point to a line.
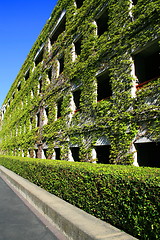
104	90
47	111
61	64
19	86
49	74
39	56
13	95
76	99
30	154
75	153
147	64
31	123
57	153
148	154
103	153
134	2
59	28
102	22
40	85
27	74
36	153
59	108
79	3
77	46
38	119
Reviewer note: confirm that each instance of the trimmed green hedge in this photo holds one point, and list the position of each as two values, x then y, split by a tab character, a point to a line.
125	196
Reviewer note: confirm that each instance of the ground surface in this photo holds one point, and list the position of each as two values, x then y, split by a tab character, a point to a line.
17	221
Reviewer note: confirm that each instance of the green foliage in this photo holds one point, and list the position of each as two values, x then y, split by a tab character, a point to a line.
125	196
121	117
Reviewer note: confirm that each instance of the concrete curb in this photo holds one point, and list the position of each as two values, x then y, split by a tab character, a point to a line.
72	221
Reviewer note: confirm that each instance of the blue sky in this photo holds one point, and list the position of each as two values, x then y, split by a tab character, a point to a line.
20	24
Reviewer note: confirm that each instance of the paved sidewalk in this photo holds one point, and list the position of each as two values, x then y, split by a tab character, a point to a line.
17	221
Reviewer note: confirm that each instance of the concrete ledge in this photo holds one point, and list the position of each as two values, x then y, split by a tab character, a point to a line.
72	221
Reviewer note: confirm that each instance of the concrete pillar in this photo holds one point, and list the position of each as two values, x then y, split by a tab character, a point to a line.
73	53
53	155
45	120
94	155
34	153
43	155
70	158
28	153
134	151
22	153
134	82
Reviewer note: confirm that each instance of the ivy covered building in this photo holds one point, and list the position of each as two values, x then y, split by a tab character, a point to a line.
89	88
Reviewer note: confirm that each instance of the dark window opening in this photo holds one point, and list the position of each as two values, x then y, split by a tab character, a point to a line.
147	66
76	99
148	154
75	153
59	29
19	87
38	119
27	75
39	58
134	2
40	86
31	120
77	45
13	95
103	153
30	153
45	152
47	111
50	74
61	65
103	87
36	153
59	109
79	3
102	23
57	153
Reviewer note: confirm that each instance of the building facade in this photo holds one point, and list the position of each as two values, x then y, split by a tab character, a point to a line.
89	88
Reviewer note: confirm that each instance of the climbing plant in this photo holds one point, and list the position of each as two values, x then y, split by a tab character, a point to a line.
119	118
